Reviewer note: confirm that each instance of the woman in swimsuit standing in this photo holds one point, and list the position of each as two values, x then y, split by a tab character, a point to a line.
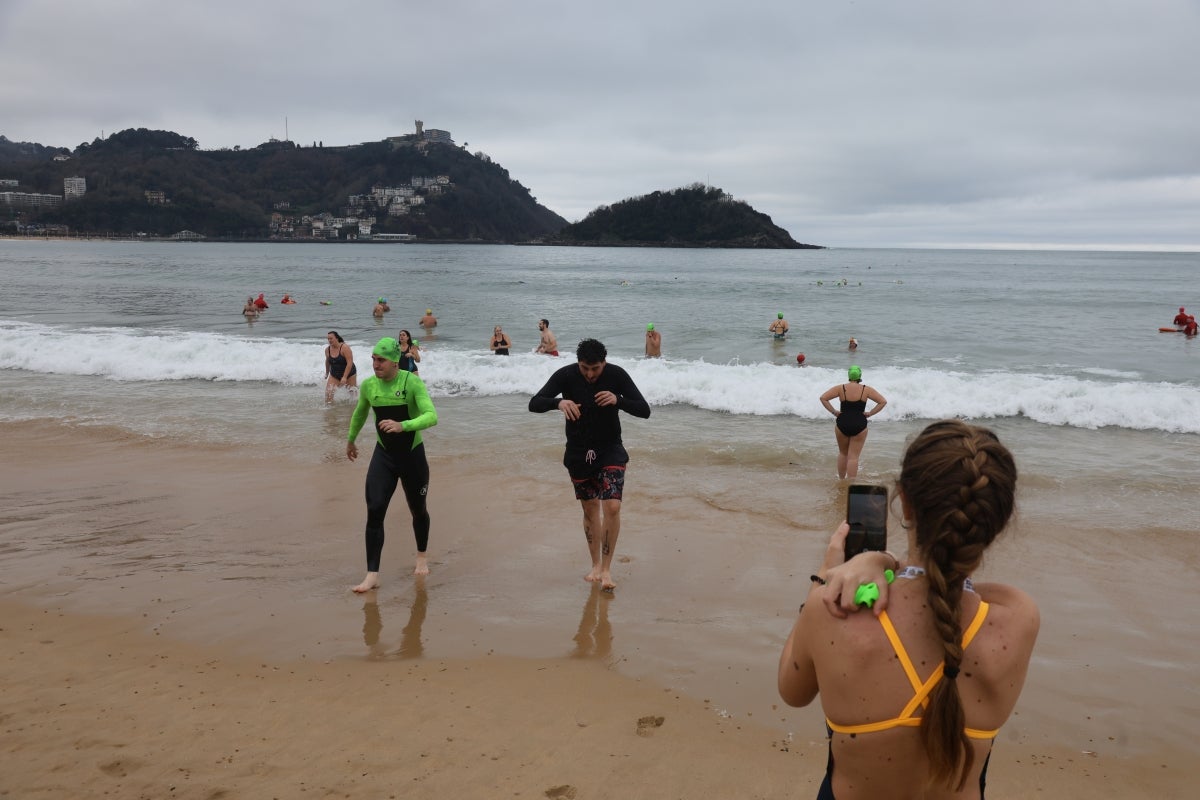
851	428
915	692
410	352
339	365
500	342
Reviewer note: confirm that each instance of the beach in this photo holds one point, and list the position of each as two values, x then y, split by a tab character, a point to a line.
180	528
178	623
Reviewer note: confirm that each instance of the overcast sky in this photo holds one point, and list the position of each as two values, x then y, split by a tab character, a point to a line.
852	123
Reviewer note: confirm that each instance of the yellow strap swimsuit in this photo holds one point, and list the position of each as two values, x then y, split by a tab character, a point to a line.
907	717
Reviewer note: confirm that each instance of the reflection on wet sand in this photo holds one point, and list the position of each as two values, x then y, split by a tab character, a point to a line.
410	638
595	635
411	645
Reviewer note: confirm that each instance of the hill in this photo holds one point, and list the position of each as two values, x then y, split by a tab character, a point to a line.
692	216
160	182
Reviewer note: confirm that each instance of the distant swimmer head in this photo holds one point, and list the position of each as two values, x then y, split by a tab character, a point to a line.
383	299
779	315
854	373
429	311
650	326
387	348
800	358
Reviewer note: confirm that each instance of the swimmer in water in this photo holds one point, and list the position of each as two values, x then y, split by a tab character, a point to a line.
779	326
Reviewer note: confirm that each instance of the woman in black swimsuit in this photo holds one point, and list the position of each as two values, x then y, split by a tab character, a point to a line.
851	428
500	342
410	351
339	365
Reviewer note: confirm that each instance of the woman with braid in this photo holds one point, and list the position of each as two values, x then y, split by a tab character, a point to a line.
915	692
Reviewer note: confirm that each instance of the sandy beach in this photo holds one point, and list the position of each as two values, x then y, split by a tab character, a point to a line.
177	623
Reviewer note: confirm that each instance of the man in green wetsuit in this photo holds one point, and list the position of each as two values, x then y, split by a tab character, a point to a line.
402	409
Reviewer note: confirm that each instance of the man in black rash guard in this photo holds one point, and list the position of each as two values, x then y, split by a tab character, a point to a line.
589	394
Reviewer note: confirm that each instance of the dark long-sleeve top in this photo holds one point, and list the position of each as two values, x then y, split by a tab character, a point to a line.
598	427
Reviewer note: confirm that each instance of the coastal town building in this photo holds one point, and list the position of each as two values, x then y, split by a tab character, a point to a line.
155	197
30	199
74	187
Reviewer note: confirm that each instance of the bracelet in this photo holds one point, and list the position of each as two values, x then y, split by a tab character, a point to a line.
895	560
817	579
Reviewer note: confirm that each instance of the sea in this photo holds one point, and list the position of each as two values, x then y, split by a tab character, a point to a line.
732	487
1059	351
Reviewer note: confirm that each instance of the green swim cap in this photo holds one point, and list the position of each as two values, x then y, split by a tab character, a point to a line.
855	372
780	315
387	348
383	299
650	326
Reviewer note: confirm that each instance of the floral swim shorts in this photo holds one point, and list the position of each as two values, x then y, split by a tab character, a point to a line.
607	484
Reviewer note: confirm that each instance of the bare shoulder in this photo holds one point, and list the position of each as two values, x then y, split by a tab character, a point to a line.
1012	609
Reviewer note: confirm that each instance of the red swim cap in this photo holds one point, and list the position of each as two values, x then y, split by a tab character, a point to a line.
800	358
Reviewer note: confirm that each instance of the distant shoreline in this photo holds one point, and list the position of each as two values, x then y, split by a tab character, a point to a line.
228	240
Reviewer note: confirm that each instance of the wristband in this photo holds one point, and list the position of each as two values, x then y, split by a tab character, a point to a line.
817	579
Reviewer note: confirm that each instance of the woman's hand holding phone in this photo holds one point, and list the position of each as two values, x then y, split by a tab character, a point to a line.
842	578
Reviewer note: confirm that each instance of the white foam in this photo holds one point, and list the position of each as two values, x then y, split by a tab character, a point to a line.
1090	399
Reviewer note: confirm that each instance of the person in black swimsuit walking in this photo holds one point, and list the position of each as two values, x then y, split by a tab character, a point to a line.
851	427
339	365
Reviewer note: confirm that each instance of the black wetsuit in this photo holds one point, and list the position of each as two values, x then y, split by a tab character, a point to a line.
398	457
597	432
337	365
853	419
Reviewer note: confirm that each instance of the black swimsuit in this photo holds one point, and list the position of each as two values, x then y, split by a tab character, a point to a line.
500	349
853	419
407	362
337	365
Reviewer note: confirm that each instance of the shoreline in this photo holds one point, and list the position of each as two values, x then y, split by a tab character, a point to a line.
236	558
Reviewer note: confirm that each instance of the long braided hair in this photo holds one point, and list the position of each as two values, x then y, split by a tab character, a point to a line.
959	481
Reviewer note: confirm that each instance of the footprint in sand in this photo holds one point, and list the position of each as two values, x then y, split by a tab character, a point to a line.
646	725
565	791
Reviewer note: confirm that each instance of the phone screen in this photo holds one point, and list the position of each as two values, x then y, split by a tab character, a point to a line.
866	513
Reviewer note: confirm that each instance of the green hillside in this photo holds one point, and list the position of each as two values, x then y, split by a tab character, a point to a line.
234	193
692	216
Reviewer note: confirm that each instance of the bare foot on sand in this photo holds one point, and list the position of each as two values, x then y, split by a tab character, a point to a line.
594	575
370	582
422	567
606	581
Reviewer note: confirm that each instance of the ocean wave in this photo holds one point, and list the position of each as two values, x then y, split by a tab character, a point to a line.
913	392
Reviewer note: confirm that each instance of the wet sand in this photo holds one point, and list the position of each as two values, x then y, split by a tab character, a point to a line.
179	615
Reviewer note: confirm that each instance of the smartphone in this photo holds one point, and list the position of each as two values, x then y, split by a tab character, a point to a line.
866	513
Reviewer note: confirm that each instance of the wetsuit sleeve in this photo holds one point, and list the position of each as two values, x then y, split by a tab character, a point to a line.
421	412
629	399
547	397
359	417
